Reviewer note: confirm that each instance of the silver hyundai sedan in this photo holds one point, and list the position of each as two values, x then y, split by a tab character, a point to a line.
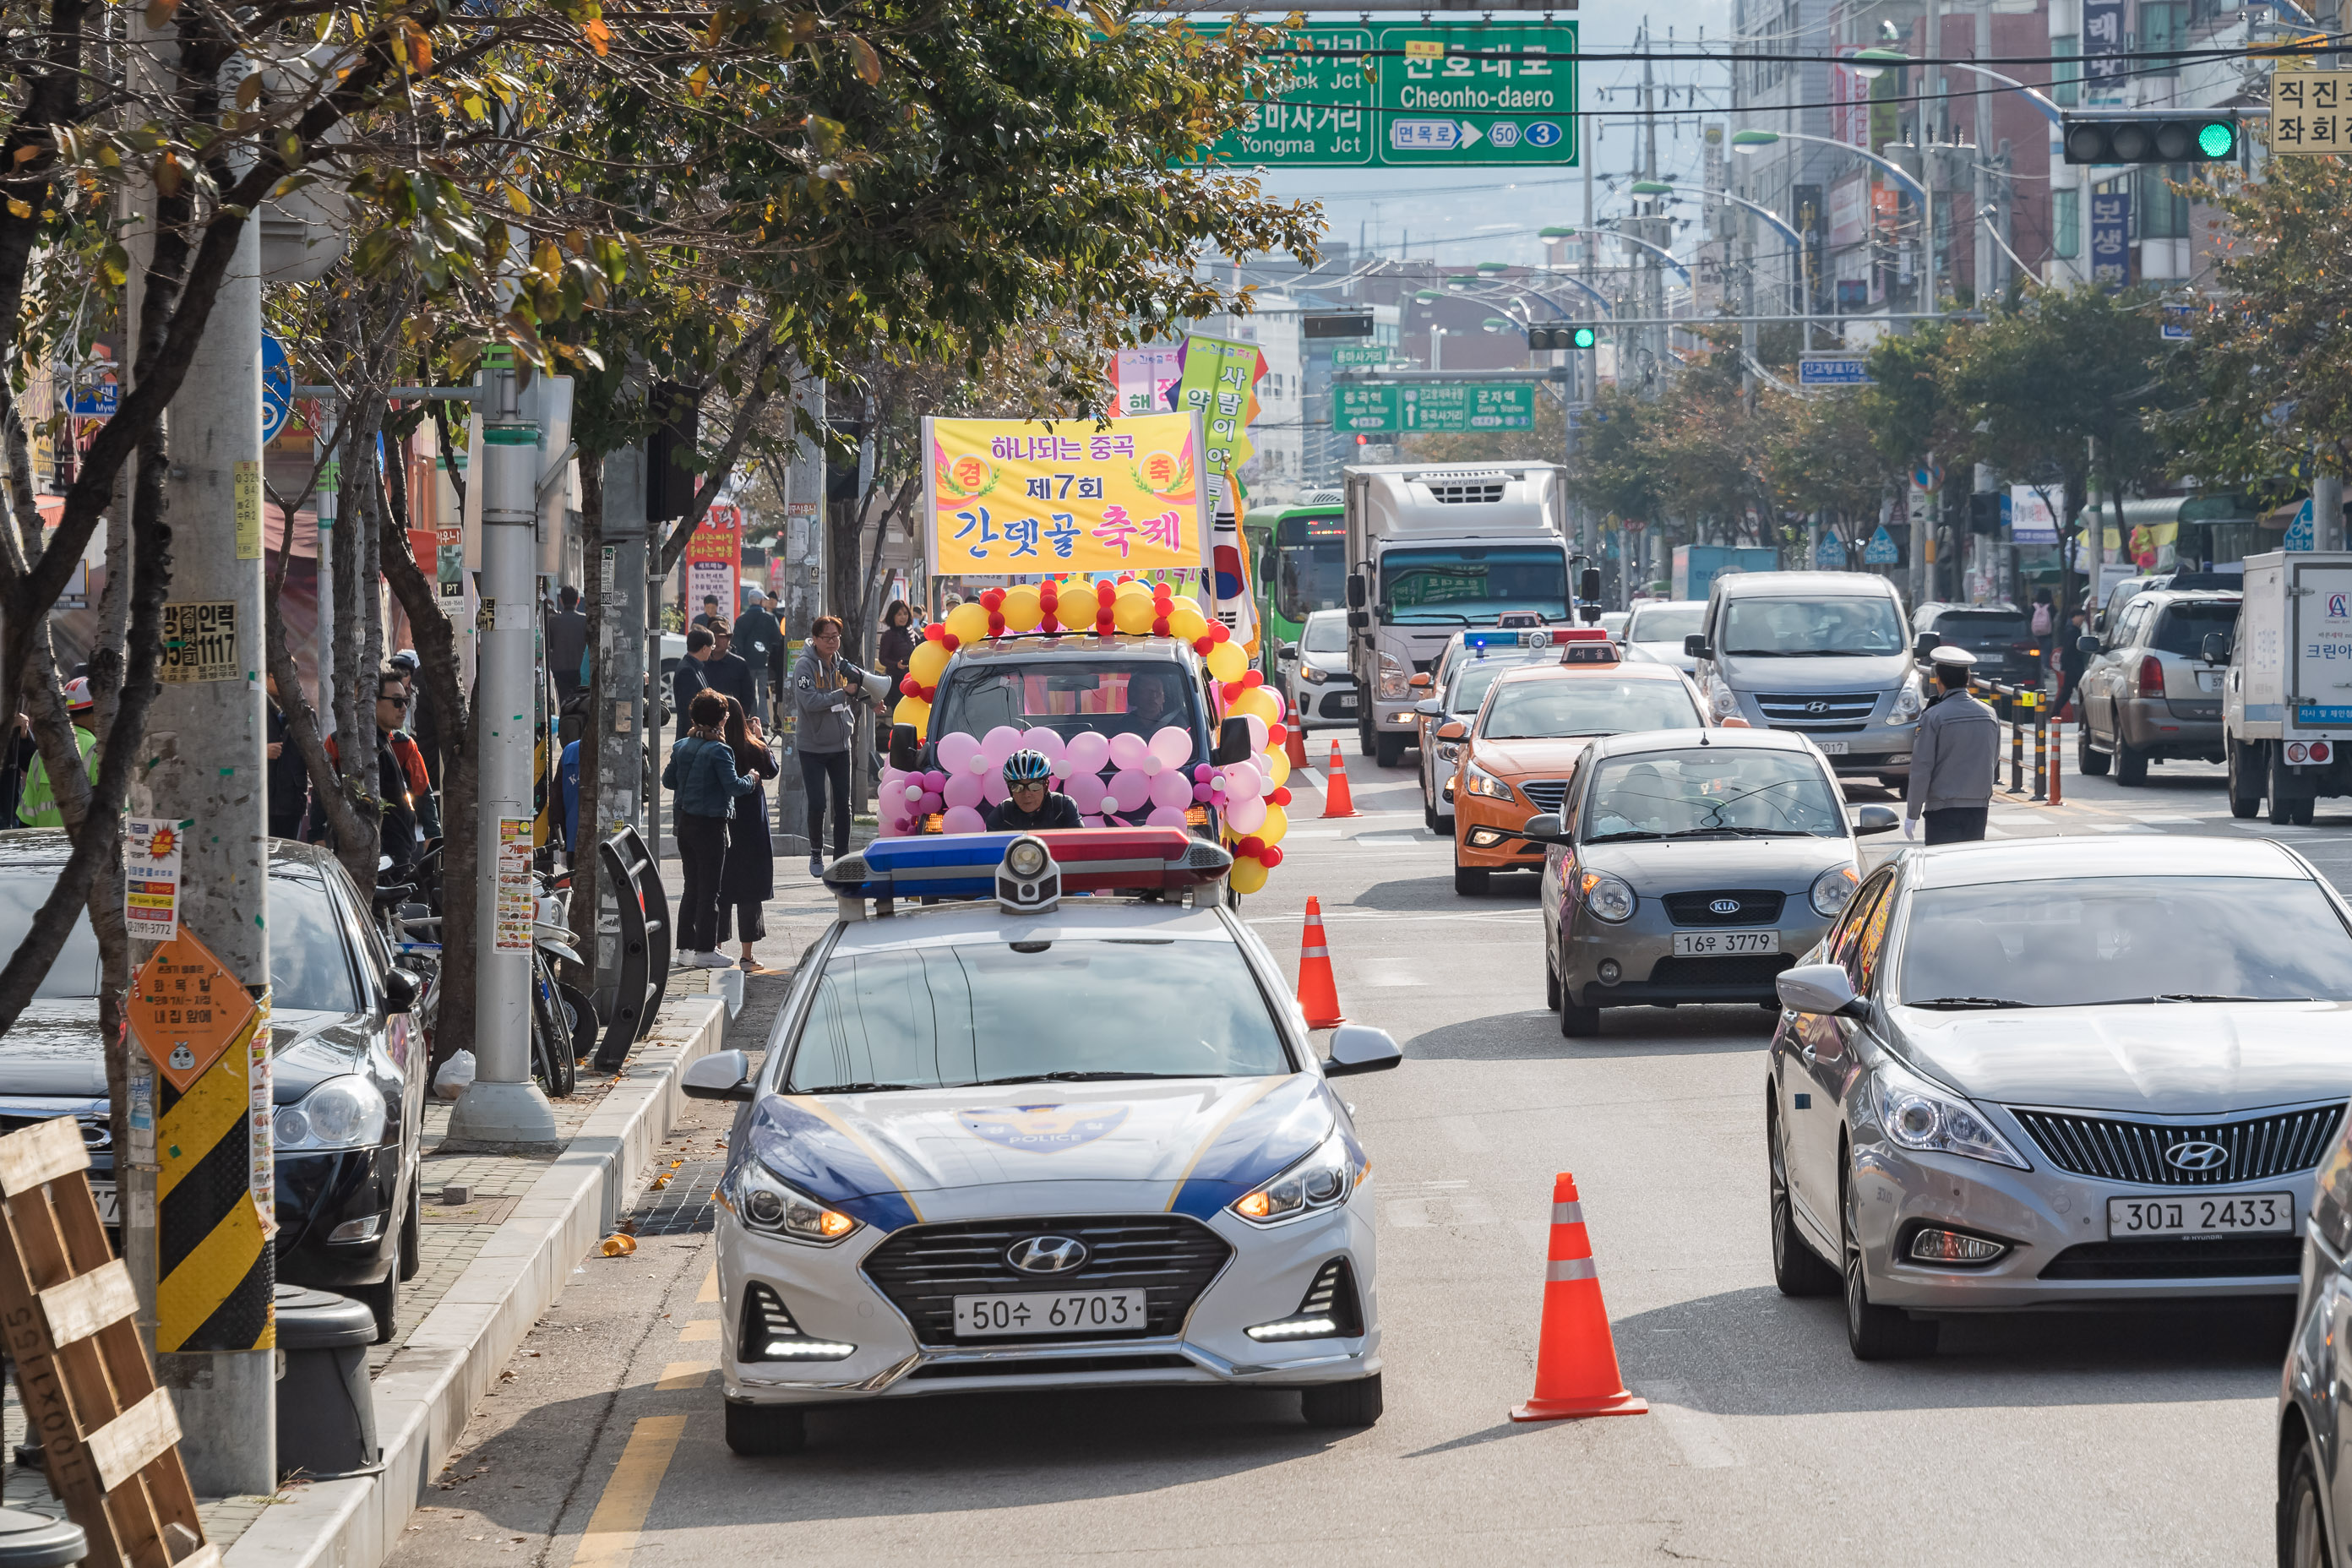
2057	1072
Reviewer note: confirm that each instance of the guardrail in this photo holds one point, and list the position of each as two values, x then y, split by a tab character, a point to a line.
630	892
2022	707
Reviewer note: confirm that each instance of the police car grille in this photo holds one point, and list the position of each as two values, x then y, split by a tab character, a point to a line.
2117	1151
1545	794
1848	708
1170	1258
1754	906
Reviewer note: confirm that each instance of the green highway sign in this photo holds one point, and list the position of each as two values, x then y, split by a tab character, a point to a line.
1434	406
1438	95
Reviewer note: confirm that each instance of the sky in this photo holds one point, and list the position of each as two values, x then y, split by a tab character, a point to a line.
1469	217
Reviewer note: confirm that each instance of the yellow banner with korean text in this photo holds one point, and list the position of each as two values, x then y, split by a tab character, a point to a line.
1027	498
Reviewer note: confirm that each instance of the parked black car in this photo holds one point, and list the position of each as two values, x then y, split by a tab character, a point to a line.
2000	636
349	1074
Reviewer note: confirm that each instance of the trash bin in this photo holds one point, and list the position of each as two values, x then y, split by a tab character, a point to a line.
34	1541
326	1411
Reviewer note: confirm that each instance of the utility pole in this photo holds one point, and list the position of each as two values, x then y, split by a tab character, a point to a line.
204	1253
2327	510
1983	265
1652	281
503	1108
803	603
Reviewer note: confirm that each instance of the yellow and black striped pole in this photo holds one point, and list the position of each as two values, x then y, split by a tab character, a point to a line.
215	1186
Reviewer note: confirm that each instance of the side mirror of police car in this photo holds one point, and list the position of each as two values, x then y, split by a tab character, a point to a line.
905	751
1360	1047
1875	819
1695	646
2217	647
1546	828
721	1075
1233	744
1821	988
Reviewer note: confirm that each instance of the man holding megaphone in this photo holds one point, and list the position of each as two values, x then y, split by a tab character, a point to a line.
823	688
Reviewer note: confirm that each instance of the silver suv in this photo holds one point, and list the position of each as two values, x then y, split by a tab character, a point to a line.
1821	654
2148	694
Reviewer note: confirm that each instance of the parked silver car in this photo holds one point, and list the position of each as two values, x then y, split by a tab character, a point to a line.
1690	866
2148	693
1315	676
2057	1072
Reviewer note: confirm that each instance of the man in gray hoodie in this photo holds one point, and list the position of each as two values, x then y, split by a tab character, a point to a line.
824	687
1953	758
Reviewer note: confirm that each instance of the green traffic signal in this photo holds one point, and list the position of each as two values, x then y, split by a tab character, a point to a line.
2218	139
1585	337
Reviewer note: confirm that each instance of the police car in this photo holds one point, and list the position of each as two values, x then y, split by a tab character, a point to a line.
1040	1113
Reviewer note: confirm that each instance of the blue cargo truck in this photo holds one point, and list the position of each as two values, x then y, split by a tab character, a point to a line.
1698	565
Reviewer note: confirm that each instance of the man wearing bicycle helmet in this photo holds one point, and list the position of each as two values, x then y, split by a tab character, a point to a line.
1036	803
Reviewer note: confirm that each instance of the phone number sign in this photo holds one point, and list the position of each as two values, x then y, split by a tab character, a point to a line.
1442	96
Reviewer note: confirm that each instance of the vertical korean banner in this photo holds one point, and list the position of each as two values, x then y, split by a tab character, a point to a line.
714	561
1218	380
1140	380
1019	496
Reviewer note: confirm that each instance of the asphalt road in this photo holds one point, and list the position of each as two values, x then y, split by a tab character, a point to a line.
2085	1439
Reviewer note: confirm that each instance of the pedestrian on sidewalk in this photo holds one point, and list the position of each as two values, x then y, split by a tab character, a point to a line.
759	643
703	777
2071	659
1953	758
748	879
828	721
567	644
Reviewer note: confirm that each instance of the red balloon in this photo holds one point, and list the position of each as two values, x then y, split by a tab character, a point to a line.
1049	624
995	624
930	694
1253	678
1160	626
1202	644
909	687
1281	796
1104	624
1271	857
1233	688
1274	736
935	632
1253	847
1220	632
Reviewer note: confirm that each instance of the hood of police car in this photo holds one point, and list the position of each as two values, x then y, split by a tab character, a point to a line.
1181	1145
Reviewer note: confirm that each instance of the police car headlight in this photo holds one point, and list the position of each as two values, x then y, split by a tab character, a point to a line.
1609	897
767	1205
1027	858
345	1112
1907	703
1832	887
1320	1181
1481	781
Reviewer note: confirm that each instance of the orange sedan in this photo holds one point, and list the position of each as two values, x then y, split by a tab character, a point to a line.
1526	739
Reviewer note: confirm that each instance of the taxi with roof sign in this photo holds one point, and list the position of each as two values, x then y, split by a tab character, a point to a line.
1040	1113
1518	754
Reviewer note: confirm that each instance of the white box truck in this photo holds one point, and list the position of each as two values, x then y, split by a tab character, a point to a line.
1438	548
2286	697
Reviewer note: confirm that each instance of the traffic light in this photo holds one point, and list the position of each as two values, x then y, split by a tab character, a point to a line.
2191	139
1551	335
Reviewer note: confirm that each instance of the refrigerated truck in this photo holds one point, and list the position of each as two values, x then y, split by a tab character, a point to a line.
1438	548
2286	694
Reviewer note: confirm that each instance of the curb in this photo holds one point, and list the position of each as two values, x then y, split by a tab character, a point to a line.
428	1392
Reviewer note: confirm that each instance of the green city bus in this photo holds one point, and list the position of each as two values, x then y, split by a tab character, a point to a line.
1300	554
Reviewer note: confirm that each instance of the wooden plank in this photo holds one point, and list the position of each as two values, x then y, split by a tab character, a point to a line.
88	1303
41	1153
205	1556
132	1441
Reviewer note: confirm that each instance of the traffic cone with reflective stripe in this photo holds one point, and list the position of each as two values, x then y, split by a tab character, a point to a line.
1295	748
1576	1359
1319	995
1337	800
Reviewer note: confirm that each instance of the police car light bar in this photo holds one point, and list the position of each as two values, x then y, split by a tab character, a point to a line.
966	865
1537	637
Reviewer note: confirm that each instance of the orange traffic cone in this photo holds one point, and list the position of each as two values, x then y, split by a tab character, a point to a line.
1295	748
1576	1360
1338	801
1319	995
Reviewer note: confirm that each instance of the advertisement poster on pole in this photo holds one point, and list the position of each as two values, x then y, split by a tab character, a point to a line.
714	559
517	900
151	879
1023	497
2034	513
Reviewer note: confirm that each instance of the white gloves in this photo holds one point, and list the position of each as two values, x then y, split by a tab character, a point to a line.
1910	827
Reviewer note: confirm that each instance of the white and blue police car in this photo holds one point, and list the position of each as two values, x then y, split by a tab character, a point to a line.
1039	1113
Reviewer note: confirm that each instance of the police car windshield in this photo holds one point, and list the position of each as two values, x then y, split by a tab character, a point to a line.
1817	629
985	1011
1711	790
1537	710
1067	696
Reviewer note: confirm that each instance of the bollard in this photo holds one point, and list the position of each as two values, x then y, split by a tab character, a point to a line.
2041	746
2058	760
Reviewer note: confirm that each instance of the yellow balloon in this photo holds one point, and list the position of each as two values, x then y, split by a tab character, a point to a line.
968	623
1226	661
927	663
1135	587
1247	875
1133	612
1020	610
1186	621
1257	699
1279	761
1277	823
912	710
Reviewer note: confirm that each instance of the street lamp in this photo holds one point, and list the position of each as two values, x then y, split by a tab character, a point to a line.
1749	140
1871	63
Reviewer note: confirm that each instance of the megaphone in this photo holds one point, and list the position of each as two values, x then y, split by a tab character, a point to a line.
878	687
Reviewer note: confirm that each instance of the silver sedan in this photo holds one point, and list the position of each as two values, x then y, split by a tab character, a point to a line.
2057	1073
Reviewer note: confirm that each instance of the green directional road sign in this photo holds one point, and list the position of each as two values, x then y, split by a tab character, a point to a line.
1438	96
1434	406
1363	355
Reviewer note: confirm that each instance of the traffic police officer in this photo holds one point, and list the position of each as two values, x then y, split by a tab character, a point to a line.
1953	758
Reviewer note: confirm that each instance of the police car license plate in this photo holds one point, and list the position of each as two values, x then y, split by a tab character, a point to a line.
107	1212
2238	1214
1724	943
1061	1312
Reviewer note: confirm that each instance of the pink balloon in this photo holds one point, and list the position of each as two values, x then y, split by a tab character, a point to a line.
1256	730
1131	787
992	786
1128	751
1047	743
1165	817
957	751
893	827
964	819
1203	773
1086	821
1173	746
1202	794
1281	707
1172	788
1088	751
1242	784
1245	815
929	802
963	790
1086	792
935	781
998	744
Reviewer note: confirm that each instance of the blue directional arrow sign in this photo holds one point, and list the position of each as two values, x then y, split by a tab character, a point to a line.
277	388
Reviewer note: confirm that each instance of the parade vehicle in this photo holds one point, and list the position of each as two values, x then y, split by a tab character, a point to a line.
1690	866
1040	1113
2063	1074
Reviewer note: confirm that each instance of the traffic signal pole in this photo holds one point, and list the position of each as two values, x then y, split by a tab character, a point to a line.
503	1108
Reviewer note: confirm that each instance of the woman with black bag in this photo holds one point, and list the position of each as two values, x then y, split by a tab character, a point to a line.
748	880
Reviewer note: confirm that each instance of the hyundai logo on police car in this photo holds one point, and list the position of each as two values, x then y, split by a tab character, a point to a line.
1046	1255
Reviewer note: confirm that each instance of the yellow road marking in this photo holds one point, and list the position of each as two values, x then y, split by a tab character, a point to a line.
709	1287
610	1538
685	1374
698	1333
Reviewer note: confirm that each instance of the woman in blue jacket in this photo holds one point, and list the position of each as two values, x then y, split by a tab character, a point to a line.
701	774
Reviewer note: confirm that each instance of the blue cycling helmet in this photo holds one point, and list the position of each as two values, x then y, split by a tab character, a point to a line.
1027	765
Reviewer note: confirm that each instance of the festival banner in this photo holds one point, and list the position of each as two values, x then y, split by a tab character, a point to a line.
1218	379
714	561
1019	496
1141	379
